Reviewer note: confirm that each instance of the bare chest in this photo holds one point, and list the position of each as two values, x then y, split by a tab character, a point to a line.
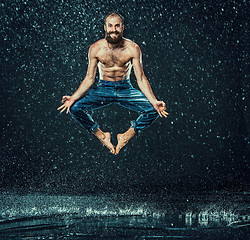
111	58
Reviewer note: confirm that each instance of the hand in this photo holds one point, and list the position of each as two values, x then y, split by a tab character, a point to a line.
67	101
160	107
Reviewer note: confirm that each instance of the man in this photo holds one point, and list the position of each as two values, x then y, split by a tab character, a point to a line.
114	57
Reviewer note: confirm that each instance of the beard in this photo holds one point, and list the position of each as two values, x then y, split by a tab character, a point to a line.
113	40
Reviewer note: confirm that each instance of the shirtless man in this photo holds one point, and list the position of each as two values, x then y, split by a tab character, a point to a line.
114	57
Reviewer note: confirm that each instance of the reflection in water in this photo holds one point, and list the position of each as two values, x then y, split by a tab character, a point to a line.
208	219
110	216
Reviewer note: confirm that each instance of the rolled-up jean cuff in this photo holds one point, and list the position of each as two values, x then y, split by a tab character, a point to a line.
93	128
133	125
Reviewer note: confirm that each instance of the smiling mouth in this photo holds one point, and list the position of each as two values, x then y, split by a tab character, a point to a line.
113	34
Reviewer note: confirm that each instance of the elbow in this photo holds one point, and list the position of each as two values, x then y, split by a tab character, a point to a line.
141	79
90	79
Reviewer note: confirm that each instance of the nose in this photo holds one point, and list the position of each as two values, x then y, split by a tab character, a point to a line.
113	29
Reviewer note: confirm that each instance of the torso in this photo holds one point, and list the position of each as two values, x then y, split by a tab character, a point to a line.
114	64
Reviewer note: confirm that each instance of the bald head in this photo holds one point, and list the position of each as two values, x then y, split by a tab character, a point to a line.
113	14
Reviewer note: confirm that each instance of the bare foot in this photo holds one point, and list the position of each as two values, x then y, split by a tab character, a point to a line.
107	142
123	139
105	138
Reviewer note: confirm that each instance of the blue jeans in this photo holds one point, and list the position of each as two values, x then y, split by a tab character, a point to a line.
120	92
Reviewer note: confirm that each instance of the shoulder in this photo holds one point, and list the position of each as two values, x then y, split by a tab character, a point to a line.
133	47
96	47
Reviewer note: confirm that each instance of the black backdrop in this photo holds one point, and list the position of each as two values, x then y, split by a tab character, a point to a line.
195	55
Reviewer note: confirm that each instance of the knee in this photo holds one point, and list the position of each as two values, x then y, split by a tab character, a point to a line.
74	109
152	112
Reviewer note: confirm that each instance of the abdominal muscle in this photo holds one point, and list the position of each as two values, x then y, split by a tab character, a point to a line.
114	73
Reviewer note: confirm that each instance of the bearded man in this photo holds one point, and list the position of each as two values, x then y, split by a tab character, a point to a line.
114	57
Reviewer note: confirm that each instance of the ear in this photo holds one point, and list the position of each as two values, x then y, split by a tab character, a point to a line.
105	27
123	27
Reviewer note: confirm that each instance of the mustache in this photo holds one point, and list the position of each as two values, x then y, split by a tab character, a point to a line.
116	32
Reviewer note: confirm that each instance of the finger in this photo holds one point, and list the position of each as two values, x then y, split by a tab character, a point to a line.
67	110
162	103
60	107
159	113
64	99
63	109
164	114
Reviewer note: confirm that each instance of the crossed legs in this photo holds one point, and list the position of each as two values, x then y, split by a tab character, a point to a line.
129	98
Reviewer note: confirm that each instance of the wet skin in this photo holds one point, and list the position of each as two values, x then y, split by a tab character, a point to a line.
114	60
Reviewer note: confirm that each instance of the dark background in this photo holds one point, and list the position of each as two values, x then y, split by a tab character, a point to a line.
195	56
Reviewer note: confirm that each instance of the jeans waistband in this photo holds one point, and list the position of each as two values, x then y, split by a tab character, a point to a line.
120	82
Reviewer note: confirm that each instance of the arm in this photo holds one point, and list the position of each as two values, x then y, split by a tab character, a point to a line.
143	83
88	81
90	76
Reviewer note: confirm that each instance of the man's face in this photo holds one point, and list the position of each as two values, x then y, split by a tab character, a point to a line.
113	29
